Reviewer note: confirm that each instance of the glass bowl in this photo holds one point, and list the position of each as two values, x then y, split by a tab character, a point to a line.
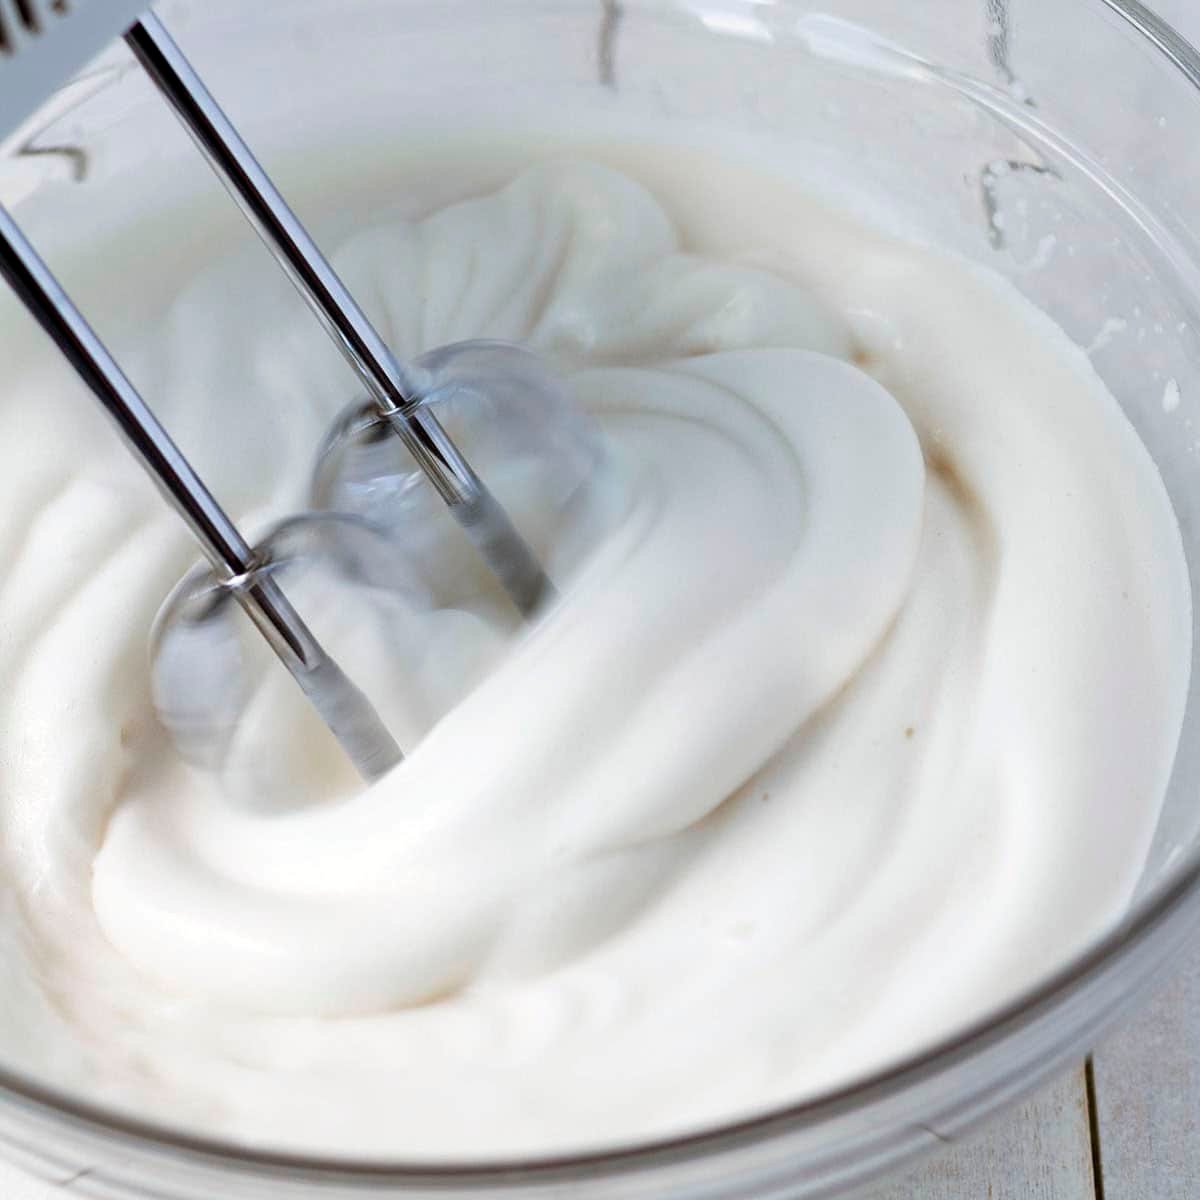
1051	140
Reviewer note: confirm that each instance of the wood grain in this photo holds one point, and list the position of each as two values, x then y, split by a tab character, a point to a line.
1147	1080
1040	1150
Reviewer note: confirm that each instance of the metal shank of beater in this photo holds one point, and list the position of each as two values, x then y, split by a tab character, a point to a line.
468	498
341	705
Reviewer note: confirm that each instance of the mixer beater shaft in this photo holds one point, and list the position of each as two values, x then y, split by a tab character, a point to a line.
341	705
396	394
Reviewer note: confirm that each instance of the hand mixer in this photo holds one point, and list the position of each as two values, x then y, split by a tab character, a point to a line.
41	43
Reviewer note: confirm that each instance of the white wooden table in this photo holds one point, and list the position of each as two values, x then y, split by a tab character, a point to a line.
1125	1126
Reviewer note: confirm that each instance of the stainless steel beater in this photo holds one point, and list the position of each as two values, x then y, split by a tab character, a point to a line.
395	395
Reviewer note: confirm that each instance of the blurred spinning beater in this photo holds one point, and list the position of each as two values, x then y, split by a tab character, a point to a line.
387	459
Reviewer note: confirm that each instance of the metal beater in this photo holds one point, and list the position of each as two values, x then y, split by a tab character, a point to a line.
238	568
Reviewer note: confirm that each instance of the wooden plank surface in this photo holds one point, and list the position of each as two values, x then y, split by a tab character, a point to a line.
1041	1150
1147	1082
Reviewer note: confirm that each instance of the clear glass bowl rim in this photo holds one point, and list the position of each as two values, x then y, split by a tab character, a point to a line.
1174	903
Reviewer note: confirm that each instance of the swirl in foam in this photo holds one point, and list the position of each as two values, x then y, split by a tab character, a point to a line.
866	673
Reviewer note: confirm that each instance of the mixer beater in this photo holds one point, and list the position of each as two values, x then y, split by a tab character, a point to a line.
396	405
